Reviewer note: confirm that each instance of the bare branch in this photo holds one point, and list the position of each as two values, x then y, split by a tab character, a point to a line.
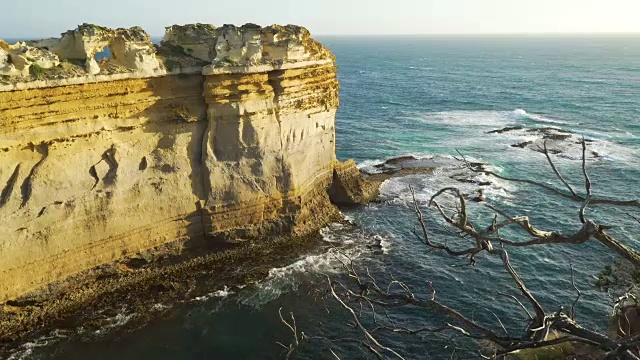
540	325
519	303
356	320
523	222
292	326
572	313
555	170
593	200
500	322
463	219
589	230
587	182
540	314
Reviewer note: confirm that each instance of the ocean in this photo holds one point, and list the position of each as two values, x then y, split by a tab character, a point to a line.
429	97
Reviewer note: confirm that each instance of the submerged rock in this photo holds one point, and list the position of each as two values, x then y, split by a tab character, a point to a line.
561	142
376	245
504	130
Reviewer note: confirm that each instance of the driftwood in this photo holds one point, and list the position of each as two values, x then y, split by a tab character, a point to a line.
543	328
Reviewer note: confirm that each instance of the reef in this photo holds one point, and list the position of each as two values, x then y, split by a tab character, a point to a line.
559	142
215	137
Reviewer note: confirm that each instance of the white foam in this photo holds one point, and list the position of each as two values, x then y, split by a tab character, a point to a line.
160	307
600	143
521	113
473	124
328	234
396	190
368	165
26	350
385	243
612	152
348	244
225	292
116	321
222	293
464	118
443	161
285	279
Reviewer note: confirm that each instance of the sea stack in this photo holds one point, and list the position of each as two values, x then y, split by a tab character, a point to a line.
216	134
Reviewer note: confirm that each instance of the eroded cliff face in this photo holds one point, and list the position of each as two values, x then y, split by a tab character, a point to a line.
218	135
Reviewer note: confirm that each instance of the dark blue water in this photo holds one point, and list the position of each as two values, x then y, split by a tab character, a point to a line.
429	96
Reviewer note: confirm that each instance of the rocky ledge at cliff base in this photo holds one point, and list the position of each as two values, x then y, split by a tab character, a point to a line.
146	174
473	184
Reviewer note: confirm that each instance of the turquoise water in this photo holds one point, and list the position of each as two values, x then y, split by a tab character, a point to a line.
428	96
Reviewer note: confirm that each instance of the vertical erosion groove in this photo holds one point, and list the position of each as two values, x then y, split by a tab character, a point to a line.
109	157
8	189
27	187
274	82
94	175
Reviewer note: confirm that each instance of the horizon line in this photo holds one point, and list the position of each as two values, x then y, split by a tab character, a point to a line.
586	33
491	34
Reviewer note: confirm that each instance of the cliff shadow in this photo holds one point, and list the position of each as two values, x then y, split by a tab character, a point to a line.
178	119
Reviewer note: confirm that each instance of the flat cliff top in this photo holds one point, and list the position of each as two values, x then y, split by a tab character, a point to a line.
79	56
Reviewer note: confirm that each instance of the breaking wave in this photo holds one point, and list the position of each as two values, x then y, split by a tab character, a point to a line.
26	350
396	190
347	244
521	114
225	292
117	321
474	125
29	349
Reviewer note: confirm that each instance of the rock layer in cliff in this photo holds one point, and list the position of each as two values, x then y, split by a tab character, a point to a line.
235	144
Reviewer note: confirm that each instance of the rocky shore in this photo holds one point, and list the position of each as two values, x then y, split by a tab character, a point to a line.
161	172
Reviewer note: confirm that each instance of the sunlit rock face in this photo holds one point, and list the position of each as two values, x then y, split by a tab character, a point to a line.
249	48
197	40
131	48
4	58
17	59
161	145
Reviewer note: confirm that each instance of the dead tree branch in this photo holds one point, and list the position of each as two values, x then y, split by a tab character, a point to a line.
364	292
477	168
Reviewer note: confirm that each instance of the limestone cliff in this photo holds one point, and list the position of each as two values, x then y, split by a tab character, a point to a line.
218	134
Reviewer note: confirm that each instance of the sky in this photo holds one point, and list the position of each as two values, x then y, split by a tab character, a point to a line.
47	18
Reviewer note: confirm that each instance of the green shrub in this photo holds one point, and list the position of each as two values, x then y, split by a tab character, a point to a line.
171	64
37	71
554	352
